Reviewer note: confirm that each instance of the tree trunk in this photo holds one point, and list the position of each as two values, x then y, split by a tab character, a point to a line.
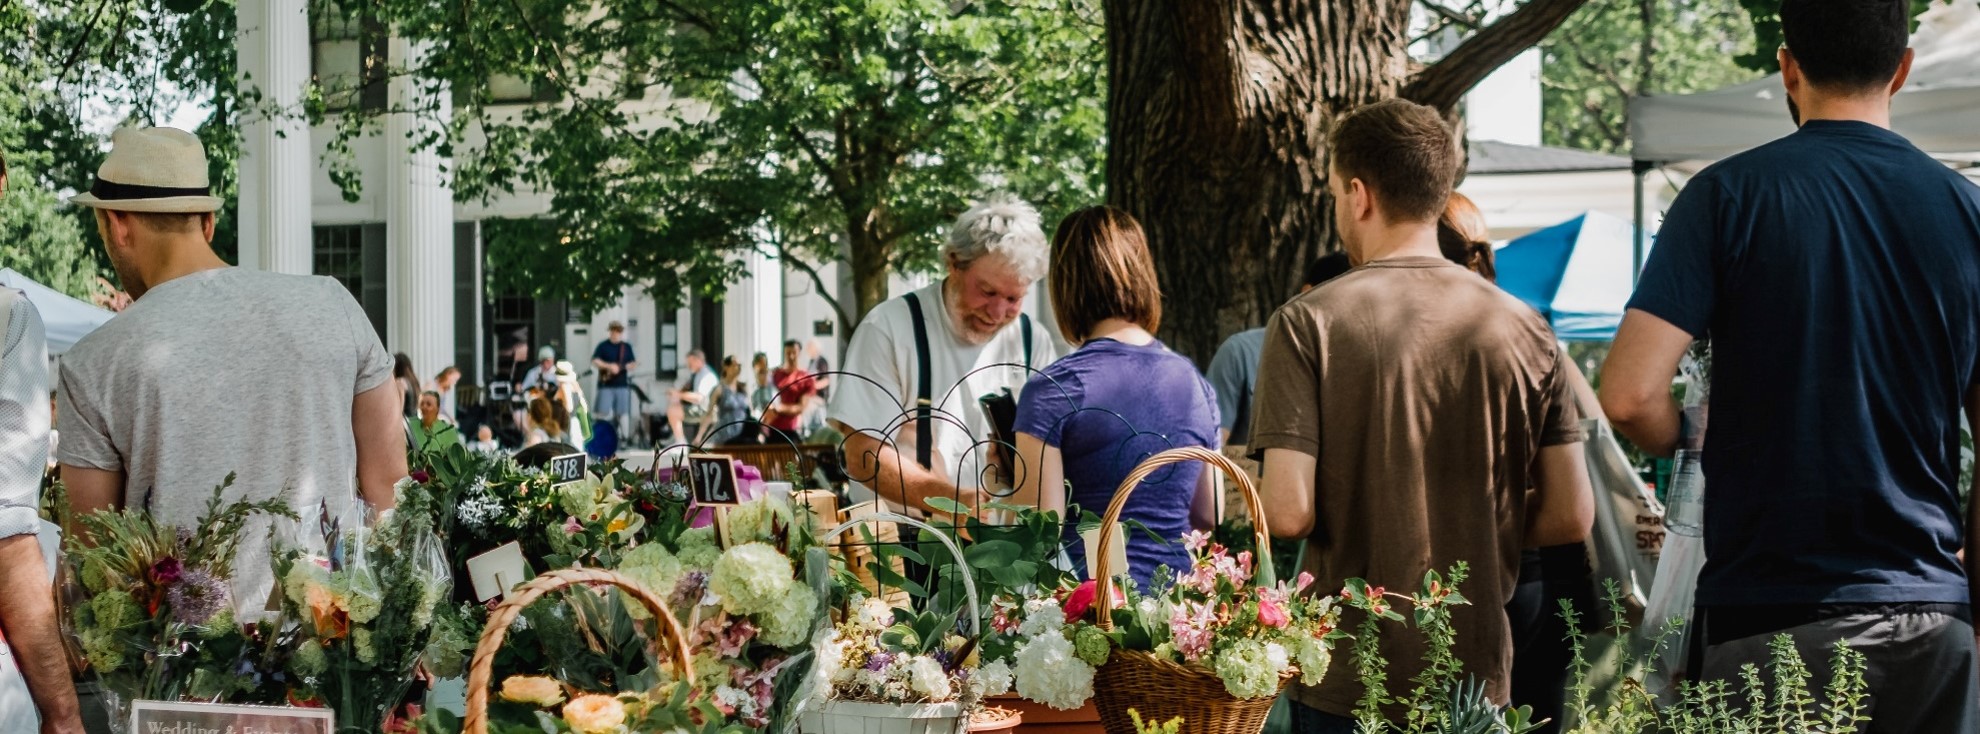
1218	114
869	271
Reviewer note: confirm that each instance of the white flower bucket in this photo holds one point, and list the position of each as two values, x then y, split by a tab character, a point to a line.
855	717
860	717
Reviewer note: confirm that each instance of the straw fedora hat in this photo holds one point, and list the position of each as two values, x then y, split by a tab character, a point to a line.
158	170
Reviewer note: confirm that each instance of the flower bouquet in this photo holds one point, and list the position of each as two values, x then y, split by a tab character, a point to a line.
896	671
158	621
364	602
1214	644
545	704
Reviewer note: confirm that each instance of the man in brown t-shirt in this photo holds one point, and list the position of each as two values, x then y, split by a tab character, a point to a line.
1406	408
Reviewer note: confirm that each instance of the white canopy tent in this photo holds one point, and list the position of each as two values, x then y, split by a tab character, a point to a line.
1938	110
65	319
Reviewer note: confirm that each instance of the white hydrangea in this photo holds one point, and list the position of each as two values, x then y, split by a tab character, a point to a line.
929	680
993	679
1048	672
1040	617
1313	658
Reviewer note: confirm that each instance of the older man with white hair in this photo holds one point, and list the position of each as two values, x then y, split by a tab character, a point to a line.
918	363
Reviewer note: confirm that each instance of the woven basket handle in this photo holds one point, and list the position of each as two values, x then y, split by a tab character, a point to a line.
1103	571
483	670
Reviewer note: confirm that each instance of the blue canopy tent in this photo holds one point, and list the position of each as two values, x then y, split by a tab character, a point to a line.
1576	273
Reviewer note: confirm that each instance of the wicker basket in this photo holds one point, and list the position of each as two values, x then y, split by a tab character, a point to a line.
482	672
1159	689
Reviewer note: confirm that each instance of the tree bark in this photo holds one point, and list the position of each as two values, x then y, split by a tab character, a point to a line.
1217	121
869	268
1218	114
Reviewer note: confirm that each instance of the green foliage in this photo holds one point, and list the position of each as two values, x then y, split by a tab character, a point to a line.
1766	18
140	59
1172	726
685	133
1600	57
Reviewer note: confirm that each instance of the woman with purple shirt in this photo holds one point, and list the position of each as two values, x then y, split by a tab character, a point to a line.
1089	418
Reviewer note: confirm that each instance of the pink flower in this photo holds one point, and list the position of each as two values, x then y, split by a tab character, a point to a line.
1305	580
1001	619
572	527
735	638
1193	627
1270	613
1196	540
1081	599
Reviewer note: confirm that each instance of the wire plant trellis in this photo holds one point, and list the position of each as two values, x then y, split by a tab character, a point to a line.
866	453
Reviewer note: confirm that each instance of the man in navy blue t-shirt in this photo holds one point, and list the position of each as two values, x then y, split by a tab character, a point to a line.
1837	273
613	359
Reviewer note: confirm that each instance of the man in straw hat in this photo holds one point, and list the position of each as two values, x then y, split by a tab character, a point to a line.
212	370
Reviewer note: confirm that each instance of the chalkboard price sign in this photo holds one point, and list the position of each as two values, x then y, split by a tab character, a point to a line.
713	477
569	467
161	717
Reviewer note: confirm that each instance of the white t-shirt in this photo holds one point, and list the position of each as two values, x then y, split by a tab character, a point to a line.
882	351
701	383
228	370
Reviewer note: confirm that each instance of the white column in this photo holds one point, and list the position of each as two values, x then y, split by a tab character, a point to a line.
753	312
275	165
419	223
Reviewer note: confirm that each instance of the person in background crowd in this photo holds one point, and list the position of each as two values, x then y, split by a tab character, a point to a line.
543	376
1836	273
278	379
429	432
1088	419
794	390
544	424
941	343
408	380
1234	375
690	403
821	368
821	380
444	384
760	398
615	362
31	656
1442	398
731	407
1541	656
484	441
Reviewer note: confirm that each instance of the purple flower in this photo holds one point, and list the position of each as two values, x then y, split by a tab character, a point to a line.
879	661
196	597
166	571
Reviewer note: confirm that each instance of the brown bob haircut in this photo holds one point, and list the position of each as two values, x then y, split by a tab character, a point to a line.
1101	269
1404	152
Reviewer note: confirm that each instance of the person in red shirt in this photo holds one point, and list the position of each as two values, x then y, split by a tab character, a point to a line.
795	387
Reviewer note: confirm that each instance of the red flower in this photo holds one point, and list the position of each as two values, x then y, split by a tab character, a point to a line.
1081	599
421	477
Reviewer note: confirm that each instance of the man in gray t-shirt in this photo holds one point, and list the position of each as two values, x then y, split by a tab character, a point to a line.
213	370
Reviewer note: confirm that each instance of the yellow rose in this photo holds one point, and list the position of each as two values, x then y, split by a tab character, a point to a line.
595	714
535	690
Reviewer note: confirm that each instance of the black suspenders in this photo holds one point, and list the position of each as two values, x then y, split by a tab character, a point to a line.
924	390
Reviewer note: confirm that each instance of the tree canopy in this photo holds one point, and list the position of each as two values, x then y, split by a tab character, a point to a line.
674	136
